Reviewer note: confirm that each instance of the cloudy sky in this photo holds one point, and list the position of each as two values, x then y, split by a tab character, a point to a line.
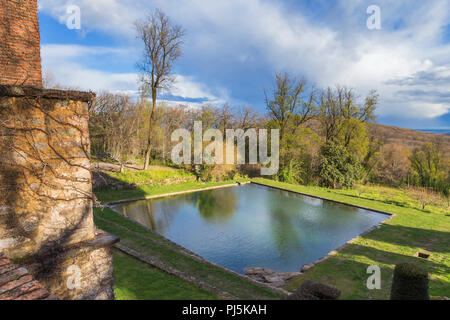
233	48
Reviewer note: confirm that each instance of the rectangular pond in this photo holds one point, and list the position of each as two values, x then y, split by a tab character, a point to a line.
253	225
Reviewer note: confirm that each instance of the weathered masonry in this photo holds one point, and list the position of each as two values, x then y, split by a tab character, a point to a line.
46	218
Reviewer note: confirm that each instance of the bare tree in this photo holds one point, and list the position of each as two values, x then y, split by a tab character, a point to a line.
162	47
225	117
338	106
425	196
247	118
394	165
113	126
289	103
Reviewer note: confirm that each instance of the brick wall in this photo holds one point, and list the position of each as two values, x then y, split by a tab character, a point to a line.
20	60
46	218
16	283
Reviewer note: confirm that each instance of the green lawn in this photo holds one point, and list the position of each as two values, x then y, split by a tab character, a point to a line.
151	245
135	280
412	229
138	176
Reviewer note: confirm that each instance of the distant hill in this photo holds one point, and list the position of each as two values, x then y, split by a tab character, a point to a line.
407	137
436	131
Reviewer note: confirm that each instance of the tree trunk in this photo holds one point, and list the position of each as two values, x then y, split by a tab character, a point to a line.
147	155
150	125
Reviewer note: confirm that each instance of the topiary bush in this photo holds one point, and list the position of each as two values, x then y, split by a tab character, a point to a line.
409	283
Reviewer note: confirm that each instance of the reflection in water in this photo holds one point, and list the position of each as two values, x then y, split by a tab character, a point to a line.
253	226
284	231
151	216
312	201
216	205
156	215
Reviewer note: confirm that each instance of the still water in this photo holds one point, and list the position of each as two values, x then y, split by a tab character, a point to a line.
253	226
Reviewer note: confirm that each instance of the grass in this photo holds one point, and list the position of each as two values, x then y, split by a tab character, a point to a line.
411	230
106	196
136	237
158	248
135	280
139	176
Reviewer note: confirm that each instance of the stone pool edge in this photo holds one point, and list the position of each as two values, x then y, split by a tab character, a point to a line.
308	266
187	251
302	269
163	195
317	197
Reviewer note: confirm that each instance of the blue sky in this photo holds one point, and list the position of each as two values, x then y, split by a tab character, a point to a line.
233	49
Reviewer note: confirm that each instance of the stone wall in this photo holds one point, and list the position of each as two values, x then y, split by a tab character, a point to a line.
20	60
80	272
46	218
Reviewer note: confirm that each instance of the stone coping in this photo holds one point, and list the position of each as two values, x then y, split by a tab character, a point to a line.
194	255
321	198
156	264
35	92
164	195
308	266
302	268
101	240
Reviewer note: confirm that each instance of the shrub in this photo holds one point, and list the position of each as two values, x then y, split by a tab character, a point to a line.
338	167
409	283
313	290
238	176
292	173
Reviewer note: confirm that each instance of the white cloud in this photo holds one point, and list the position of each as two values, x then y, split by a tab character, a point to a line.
57	51
411	109
115	16
328	53
187	88
335	49
64	63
